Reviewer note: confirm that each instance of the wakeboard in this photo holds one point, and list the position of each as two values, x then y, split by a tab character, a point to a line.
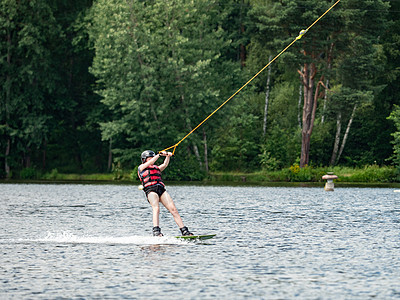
196	237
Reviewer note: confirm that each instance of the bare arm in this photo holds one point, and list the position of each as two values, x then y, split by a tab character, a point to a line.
154	159
166	160
149	163
164	164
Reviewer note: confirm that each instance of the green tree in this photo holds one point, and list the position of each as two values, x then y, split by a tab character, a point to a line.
49	116
374	132
356	64
29	35
283	131
346	101
75	145
236	143
159	70
395	117
340	46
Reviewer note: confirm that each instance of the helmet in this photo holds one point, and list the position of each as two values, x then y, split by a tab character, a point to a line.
146	154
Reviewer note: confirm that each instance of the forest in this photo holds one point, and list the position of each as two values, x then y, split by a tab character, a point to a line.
88	85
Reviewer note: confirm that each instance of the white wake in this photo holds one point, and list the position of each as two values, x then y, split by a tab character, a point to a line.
66	237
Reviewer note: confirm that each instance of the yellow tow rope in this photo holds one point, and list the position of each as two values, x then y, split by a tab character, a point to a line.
302	32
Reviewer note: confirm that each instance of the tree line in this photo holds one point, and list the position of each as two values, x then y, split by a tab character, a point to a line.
88	85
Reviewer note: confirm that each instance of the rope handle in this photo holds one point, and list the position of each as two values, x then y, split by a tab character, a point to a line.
164	153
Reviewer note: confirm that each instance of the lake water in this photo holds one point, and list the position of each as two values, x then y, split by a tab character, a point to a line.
94	241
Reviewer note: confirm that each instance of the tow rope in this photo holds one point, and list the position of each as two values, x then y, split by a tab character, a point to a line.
301	34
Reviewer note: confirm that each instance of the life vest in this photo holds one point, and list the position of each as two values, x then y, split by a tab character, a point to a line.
150	176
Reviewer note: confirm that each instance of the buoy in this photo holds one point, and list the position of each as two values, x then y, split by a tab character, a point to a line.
329	177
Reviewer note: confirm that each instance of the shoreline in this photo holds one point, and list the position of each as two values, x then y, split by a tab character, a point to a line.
213	183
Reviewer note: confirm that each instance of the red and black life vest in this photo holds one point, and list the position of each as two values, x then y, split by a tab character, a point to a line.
150	176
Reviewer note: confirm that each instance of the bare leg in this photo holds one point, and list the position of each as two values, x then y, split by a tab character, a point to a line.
169	204
155	205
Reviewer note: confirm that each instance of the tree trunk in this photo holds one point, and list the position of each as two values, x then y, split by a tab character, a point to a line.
325	101
197	154
346	134
44	155
337	139
27	158
205	150
327	81
109	165
7	167
78	159
300	98
267	98
305	149
309	110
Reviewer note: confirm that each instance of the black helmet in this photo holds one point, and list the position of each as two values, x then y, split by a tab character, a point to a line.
146	154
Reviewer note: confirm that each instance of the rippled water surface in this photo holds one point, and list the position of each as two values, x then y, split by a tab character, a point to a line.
94	241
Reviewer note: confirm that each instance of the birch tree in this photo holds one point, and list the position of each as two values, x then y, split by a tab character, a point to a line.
267	98
313	56
345	102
